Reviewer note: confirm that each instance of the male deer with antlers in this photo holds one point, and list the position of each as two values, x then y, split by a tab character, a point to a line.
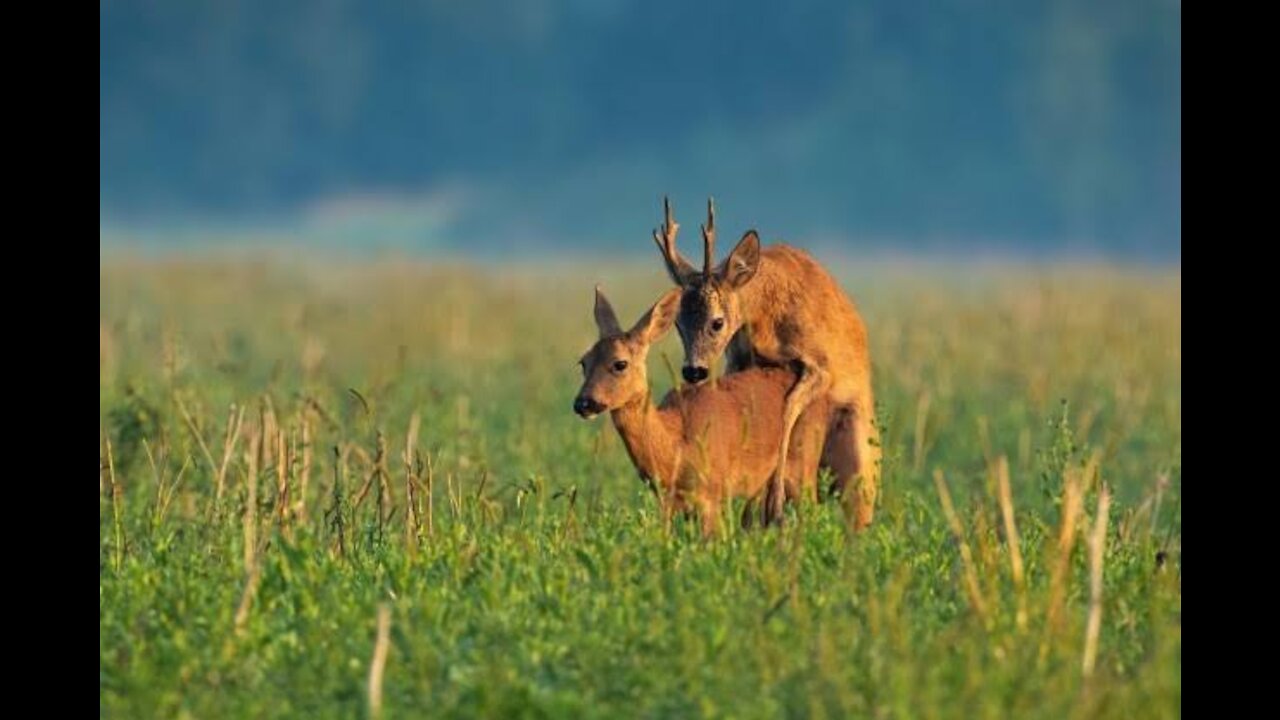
704	444
778	306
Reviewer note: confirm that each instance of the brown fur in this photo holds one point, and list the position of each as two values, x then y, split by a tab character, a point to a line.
777	306
706	444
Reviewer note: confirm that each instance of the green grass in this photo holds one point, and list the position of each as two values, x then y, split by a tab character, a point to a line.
548	585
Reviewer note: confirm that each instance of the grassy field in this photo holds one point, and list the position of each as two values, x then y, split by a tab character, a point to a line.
266	551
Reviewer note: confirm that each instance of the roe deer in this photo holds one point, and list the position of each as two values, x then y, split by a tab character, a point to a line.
705	444
779	307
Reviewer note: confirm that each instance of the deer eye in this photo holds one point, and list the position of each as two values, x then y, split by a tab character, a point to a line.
717	325
620	365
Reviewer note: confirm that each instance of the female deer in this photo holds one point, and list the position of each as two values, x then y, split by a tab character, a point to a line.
704	444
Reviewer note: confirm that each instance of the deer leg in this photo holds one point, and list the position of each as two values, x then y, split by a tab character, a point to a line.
748	514
811	383
852	453
710	516
866	466
840	454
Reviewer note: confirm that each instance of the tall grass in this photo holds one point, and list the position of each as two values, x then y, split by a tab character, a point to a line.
275	543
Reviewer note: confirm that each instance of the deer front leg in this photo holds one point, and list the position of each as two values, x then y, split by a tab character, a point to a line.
748	514
867	446
812	382
710	516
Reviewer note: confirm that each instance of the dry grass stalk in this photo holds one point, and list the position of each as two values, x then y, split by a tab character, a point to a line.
337	512
269	429
250	519
1097	544
252	580
455	502
378	665
431	496
984	440
282	480
966	554
304	478
1091	475
386	504
116	501
195	431
922	422
413	524
1071	499
235	421
164	496
102	474
1005	495
367	485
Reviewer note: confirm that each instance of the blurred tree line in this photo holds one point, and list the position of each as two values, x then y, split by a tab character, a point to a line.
1002	122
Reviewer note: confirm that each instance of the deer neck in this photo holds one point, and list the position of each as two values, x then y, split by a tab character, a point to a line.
649	439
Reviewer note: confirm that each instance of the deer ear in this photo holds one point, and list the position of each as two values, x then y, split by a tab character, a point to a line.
606	318
659	319
742	263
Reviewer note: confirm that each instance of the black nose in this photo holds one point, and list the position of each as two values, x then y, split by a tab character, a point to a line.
585	406
695	374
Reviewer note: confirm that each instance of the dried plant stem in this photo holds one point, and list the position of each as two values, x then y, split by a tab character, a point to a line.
250	519
412	523
455	503
282	480
195	432
304	479
116	501
1071	499
252	580
431	496
966	555
235	420
337	512
386	505
378	665
1097	544
922	421
1005	495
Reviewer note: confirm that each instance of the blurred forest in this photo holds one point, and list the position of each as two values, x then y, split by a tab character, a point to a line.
1006	125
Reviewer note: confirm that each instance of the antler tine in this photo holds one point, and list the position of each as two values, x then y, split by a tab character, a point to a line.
709	238
667	239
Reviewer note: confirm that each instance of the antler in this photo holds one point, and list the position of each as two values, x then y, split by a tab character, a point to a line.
667	240
709	238
681	271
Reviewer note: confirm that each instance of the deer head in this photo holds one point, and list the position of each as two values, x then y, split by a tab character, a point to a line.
710	306
614	369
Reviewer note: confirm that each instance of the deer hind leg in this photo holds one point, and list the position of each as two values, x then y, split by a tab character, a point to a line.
852	453
807	443
811	383
867	446
840	453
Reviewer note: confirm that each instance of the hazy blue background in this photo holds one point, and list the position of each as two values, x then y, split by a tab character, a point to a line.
1033	128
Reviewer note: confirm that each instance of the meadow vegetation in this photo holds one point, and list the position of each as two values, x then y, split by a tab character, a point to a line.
340	489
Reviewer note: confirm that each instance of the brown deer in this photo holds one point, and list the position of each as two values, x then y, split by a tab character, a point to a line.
704	444
779	307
